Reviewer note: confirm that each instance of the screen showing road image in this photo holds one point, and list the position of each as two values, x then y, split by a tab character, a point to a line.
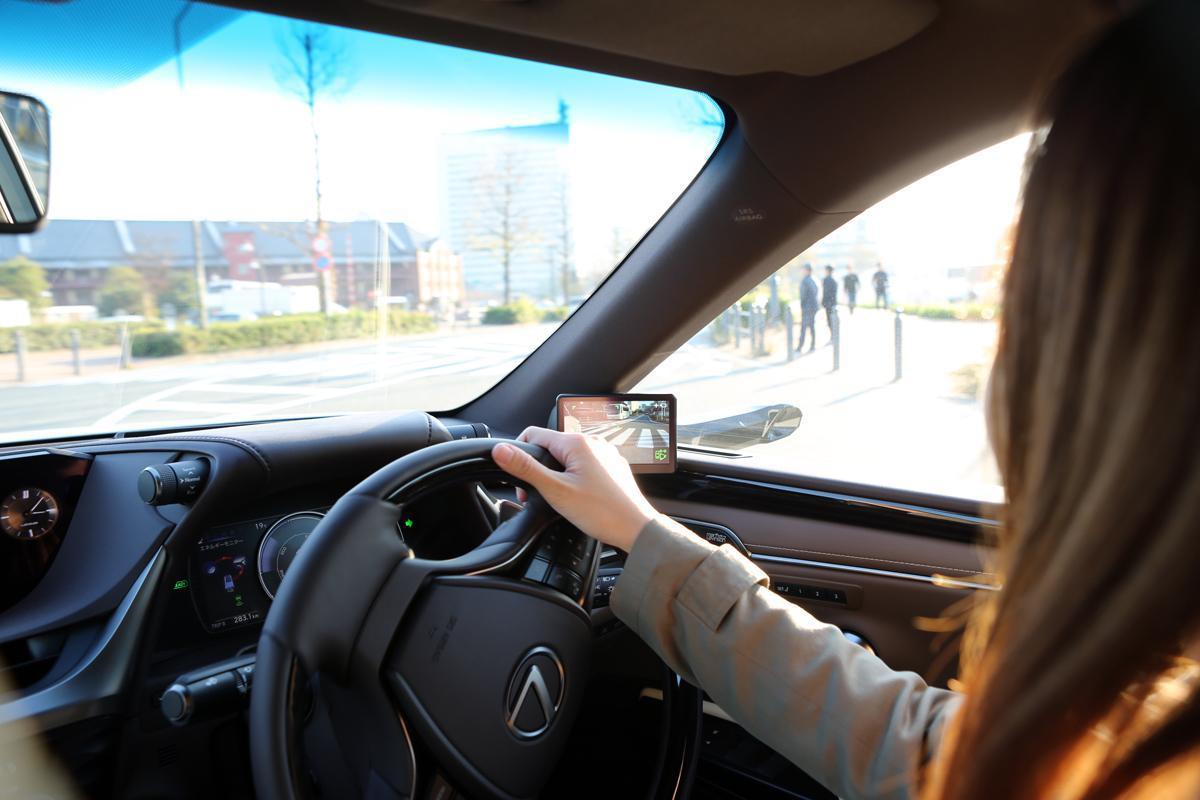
641	429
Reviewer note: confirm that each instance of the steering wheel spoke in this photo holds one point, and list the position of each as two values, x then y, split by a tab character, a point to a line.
356	744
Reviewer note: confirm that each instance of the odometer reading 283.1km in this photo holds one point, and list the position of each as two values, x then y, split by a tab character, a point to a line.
28	513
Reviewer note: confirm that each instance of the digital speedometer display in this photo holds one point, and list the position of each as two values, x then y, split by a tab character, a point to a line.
280	546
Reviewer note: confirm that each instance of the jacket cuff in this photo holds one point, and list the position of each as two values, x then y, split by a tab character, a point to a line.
717	583
663	555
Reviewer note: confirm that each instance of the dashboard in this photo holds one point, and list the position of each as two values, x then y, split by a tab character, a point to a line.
112	606
79	544
107	600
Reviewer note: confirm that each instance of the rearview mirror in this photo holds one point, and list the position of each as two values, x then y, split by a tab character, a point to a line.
24	162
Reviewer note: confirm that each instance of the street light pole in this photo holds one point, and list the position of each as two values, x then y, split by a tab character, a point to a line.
262	288
201	279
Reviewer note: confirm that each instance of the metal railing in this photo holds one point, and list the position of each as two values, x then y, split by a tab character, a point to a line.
751	324
21	351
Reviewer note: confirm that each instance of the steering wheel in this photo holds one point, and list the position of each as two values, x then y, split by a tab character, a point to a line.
385	665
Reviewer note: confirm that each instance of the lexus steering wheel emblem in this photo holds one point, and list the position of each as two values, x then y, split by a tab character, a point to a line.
535	692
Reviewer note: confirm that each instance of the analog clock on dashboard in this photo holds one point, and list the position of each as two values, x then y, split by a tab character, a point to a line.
28	513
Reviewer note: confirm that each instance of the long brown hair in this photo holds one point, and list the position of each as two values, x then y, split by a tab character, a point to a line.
1074	672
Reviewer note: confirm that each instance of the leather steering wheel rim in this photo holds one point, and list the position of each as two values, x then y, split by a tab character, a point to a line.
351	617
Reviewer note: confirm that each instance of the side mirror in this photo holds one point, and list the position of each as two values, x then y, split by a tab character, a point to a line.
738	431
24	162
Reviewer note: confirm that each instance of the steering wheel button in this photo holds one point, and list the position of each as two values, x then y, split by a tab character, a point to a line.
573	562
566	582
537	570
549	546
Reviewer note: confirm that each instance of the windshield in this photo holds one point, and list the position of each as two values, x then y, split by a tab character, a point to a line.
252	217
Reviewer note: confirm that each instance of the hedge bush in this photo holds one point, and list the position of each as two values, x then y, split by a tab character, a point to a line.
221	337
962	311
156	344
518	312
57	336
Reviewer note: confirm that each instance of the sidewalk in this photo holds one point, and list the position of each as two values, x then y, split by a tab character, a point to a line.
925	431
54	365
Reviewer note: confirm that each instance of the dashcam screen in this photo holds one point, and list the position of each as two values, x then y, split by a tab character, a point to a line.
640	429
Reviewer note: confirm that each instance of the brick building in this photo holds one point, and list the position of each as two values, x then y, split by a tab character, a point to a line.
77	254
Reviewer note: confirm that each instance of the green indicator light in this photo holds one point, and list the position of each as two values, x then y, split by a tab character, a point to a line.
181	584
660	454
408	523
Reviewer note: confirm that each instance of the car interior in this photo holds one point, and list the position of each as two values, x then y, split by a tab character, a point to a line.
395	662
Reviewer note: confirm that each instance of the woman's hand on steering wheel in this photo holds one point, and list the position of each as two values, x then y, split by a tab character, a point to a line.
596	491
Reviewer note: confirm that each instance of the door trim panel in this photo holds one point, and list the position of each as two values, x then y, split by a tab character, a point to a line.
944	581
820	504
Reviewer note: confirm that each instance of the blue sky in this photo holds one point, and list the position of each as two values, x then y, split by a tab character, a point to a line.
129	141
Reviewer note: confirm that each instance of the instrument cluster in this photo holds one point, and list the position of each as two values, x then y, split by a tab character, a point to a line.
235	570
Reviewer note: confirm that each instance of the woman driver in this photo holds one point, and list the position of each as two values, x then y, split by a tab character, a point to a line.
1076	685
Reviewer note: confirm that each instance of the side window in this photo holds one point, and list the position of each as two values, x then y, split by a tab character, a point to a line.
866	357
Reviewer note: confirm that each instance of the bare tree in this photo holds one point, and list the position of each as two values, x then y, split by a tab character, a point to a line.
314	65
621	245
562	247
501	225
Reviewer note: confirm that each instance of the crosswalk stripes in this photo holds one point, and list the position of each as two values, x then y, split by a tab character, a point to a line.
620	436
649	435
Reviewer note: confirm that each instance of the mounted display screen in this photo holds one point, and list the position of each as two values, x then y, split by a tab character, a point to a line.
642	426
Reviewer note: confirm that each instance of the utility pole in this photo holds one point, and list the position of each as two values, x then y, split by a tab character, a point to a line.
383	281
201	279
565	222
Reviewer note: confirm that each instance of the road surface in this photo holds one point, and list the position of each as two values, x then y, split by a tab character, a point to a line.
430	371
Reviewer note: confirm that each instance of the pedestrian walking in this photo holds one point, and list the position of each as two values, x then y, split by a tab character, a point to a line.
808	309
850	284
829	291
880	283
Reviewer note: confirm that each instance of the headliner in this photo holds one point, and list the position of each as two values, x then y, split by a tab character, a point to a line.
800	37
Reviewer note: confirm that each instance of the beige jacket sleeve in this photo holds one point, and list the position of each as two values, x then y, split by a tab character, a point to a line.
828	706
